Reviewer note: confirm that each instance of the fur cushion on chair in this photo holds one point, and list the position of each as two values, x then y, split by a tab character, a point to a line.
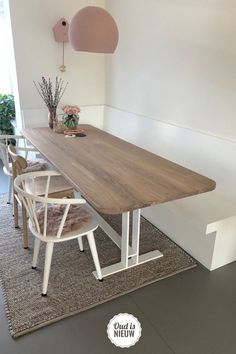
77	217
35	165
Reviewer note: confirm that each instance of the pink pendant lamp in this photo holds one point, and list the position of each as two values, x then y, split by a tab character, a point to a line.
93	29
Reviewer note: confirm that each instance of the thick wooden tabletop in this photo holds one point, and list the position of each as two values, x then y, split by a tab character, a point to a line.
114	175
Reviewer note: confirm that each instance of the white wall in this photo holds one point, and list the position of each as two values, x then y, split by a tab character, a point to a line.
171	88
37	54
175	62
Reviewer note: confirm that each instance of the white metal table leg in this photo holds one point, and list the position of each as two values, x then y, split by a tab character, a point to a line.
136	234
130	256
113	235
125	239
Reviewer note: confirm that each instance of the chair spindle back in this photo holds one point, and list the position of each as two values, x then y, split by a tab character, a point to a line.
33	203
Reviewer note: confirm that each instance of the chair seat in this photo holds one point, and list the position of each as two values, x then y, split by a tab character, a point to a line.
35	165
58	184
32	166
79	221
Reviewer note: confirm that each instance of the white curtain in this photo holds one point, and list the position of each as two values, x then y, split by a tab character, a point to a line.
5	53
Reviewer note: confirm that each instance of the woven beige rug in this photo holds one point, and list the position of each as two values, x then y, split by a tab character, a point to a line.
72	287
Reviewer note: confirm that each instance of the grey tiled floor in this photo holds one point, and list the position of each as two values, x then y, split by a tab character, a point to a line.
191	313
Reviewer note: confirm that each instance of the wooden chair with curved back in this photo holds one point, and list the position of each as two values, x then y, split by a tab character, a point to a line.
22	145
59	187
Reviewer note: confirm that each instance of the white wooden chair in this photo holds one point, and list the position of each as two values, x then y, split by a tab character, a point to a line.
22	146
6	169
54	220
59	187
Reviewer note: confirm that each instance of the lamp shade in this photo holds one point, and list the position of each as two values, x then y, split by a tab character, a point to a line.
93	29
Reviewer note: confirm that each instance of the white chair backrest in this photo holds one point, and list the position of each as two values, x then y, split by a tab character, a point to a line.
4	156
21	145
18	162
4	141
32	202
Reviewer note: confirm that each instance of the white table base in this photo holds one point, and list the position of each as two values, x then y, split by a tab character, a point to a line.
130	256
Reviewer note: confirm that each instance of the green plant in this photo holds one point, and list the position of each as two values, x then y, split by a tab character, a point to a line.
7	113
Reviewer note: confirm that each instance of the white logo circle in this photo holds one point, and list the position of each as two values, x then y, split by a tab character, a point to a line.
124	330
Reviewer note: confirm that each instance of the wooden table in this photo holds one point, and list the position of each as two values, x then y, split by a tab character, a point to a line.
117	177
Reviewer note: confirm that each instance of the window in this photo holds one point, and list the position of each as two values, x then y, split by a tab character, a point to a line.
6	85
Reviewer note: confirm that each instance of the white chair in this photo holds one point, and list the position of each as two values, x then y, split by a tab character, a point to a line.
6	169
54	220
22	146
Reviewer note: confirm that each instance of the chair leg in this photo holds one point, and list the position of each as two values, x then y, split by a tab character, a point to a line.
36	252
10	189
24	231
81	246
93	249
15	206
47	266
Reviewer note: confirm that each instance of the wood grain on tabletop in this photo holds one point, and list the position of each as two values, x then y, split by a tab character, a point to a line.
114	175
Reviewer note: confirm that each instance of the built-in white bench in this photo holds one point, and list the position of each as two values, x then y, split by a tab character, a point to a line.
204	225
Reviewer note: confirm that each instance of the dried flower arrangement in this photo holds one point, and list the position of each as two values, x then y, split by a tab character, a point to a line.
51	95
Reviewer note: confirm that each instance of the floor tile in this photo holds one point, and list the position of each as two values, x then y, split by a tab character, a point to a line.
194	311
83	334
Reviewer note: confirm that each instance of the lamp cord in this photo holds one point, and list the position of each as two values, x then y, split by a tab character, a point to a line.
63	67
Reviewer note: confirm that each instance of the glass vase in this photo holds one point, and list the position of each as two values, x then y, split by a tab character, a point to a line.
59	127
71	121
52	117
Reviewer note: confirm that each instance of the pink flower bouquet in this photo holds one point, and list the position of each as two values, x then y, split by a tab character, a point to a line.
71	116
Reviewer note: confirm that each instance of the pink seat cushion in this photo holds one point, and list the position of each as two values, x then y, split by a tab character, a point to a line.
77	217
35	165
